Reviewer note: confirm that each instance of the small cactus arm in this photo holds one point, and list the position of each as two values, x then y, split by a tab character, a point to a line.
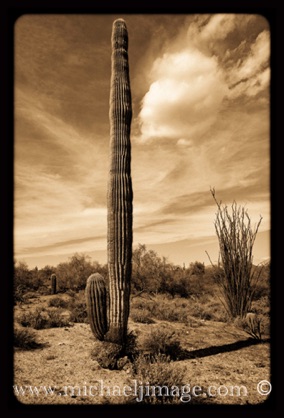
96	300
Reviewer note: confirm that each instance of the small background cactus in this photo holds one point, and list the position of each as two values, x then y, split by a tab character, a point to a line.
53	284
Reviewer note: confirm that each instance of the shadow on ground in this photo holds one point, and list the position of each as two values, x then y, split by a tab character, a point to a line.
217	349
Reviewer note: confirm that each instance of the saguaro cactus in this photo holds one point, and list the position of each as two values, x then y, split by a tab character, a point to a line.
119	200
53	284
119	204
96	297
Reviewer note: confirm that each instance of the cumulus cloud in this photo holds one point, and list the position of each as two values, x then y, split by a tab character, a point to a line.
184	98
189	82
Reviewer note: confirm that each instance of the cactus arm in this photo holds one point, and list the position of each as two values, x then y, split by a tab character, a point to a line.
96	300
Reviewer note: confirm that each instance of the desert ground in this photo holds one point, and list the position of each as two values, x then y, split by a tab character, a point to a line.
203	360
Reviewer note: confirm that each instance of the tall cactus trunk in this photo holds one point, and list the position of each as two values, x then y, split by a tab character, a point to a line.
119	201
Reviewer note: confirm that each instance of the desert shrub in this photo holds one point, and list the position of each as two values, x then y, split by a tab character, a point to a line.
36	319
74	273
158	377
179	309
261	306
56	320
25	339
28	279
57	302
107	354
255	325
198	311
163	308
131	347
42	319
162	341
143	303
115	357
142	316
171	314
209	309
78	312
44	290
211	278
178	286
262	288
70	293
19	294
147	269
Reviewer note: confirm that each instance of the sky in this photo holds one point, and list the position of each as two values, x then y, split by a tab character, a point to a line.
200	89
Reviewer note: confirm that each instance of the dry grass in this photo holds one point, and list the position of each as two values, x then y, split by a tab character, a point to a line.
166	308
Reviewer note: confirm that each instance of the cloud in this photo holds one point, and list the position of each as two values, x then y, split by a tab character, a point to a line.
60	178
195	79
183	142
251	75
56	247
192	216
184	99
218	27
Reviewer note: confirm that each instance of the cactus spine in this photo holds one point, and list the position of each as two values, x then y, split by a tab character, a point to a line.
53	284
119	201
96	299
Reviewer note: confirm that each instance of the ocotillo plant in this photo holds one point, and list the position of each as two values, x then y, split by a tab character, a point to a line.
236	240
119	196
53	284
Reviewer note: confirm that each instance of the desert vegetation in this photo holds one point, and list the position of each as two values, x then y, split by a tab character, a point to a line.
175	314
185	294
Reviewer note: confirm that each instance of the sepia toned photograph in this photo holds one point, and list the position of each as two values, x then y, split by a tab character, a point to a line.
142	209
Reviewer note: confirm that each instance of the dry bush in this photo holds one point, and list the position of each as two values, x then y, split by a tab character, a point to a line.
262	306
181	309
25	339
19	295
255	325
78	312
208	308
57	302
42	319
143	303
157	376
70	293
162	341
141	315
